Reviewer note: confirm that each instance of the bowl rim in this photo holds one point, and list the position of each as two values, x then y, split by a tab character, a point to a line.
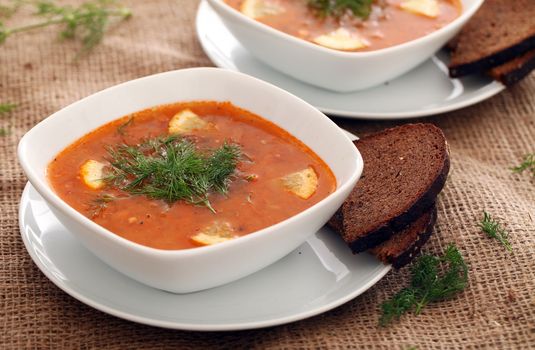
464	16
44	188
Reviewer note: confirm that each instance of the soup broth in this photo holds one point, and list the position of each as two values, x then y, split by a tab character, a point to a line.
390	22
275	176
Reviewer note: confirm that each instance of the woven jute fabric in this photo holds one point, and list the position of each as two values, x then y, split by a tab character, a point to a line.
497	310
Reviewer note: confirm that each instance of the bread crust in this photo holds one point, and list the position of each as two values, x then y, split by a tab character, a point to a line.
514	70
487	62
412	251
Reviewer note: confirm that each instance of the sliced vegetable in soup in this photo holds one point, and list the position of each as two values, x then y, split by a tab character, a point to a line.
189	174
352	25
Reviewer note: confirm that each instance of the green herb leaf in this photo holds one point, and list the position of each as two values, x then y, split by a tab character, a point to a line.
173	169
493	229
6	108
100	203
4	32
336	8
433	279
402	302
527	164
4	132
121	129
88	21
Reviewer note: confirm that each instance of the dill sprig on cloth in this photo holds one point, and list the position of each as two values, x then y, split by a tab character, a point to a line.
528	163
433	279
6	107
173	169
493	229
88	21
359	8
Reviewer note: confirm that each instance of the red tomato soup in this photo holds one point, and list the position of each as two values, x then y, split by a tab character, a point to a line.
189	174
382	24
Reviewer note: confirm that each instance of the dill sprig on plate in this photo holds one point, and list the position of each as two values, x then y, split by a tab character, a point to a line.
88	21
173	169
336	8
528	163
493	229
433	279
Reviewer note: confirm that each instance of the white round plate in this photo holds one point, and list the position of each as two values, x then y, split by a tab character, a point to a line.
318	276
424	91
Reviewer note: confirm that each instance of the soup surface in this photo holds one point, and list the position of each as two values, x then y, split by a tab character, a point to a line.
272	176
385	23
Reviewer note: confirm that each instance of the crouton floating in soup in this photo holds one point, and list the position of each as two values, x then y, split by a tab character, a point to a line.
186	121
352	25
189	174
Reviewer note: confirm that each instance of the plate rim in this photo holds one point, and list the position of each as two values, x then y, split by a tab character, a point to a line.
129	316
491	90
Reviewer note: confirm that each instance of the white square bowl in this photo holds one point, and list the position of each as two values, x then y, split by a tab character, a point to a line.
195	269
340	71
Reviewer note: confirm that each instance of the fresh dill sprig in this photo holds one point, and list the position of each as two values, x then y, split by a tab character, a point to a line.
100	203
88	21
336	8
121	129
433	279
173	169
493	229
528	163
6	107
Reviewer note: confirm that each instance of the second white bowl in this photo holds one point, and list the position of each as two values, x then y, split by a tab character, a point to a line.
330	69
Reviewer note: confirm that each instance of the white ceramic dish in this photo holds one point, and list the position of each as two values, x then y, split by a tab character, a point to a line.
316	277
330	69
191	270
424	91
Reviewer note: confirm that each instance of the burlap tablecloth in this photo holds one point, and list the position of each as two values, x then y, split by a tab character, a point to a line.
497	310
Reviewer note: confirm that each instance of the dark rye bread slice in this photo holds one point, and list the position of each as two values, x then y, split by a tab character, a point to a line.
515	70
404	170
404	245
500	31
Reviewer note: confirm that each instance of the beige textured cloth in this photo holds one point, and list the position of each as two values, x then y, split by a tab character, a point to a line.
496	311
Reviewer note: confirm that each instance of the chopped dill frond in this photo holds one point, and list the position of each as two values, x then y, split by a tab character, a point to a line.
336	8
528	163
433	279
100	203
89	21
493	229
121	129
173	169
6	107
